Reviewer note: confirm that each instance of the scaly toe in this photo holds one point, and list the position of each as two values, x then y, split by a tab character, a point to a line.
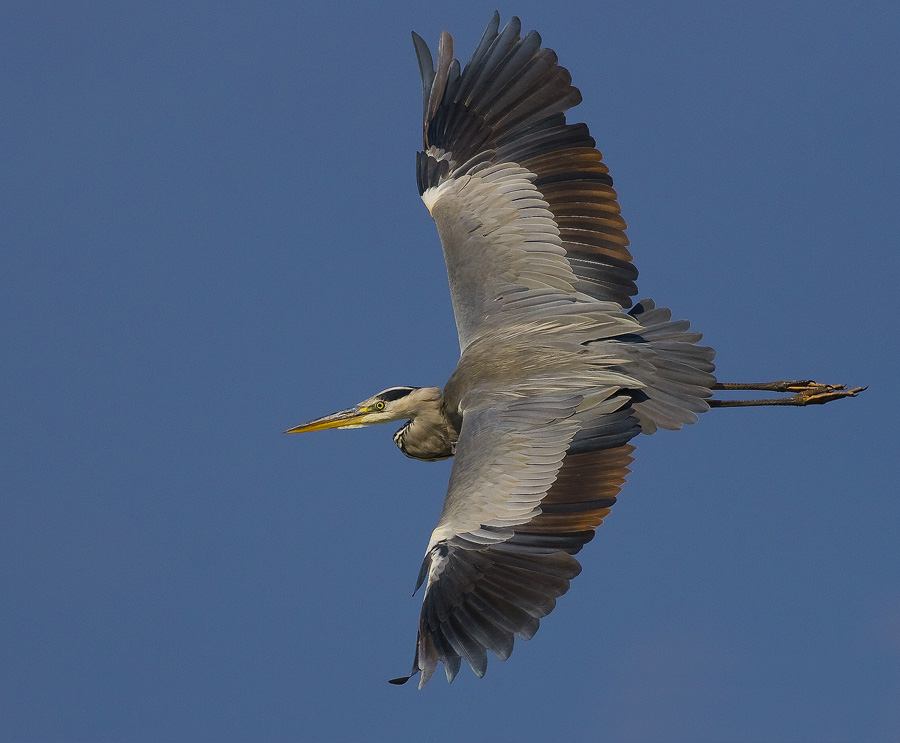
826	393
808	385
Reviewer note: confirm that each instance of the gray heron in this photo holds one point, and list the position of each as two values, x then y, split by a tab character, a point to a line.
559	369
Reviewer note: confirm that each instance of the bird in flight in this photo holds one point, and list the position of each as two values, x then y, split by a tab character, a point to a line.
559	369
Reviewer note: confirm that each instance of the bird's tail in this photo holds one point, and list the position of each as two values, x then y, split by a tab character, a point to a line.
677	372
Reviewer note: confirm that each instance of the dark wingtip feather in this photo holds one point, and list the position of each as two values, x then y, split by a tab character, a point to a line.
513	26
423	573
426	63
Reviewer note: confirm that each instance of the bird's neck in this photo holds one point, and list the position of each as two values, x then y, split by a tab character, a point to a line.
428	435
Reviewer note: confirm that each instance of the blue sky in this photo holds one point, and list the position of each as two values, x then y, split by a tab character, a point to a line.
209	232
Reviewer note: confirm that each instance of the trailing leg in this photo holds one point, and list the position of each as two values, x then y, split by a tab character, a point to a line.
806	392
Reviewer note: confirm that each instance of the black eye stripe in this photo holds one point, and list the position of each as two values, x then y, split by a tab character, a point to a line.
395	393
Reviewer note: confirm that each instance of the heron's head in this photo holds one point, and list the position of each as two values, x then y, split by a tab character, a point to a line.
393	404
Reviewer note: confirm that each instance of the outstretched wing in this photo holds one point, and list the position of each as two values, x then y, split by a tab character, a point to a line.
531	480
523	203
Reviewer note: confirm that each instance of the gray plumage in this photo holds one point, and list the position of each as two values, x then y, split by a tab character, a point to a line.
558	371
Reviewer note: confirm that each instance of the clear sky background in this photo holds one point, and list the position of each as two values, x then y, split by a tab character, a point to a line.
210	232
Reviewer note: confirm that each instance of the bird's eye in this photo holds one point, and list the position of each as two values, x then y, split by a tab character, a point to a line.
379	405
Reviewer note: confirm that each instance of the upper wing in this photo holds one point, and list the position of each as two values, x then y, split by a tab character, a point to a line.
531	480
523	204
